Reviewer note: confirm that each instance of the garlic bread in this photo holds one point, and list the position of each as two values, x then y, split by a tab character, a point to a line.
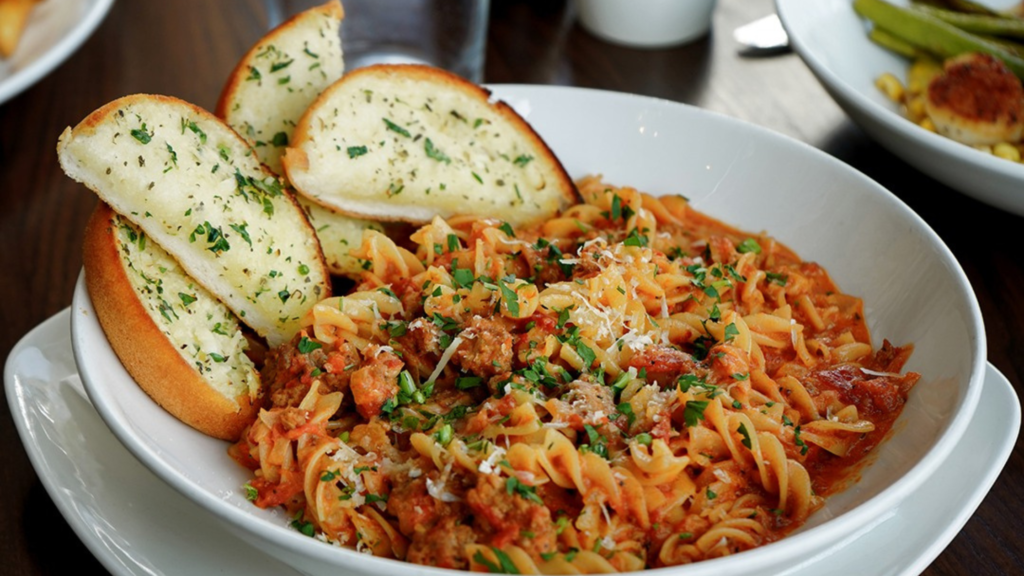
178	341
266	95
280	76
409	142
197	189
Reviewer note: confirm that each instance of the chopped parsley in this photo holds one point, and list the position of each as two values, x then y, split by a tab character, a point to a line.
746	435
142	135
504	565
694	411
306	345
514	486
434	153
510	297
396	128
634	238
522	160
749	245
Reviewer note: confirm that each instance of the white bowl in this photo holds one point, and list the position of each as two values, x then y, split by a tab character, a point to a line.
872	244
830	37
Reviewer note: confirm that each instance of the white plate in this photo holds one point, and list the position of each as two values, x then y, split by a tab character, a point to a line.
55	29
111	500
833	41
745	175
130	520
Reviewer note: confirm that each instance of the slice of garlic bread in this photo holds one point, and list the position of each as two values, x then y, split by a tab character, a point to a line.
182	346
196	188
407	142
339	235
279	78
266	95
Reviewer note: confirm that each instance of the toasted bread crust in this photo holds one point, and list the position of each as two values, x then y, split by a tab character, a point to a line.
296	160
143	348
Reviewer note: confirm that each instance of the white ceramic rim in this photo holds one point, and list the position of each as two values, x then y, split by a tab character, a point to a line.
807	543
14	84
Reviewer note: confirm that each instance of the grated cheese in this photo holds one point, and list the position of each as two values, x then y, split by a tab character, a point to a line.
445	357
489	466
875	373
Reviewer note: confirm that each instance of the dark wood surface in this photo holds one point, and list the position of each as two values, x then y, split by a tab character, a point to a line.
186	48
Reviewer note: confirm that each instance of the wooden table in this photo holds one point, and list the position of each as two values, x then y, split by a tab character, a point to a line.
186	48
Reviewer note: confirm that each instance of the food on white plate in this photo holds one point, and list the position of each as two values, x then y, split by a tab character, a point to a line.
545	377
13	18
178	341
976	100
964	80
195	187
408	143
628	384
266	95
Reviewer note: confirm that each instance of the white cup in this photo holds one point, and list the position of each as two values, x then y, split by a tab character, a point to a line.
646	23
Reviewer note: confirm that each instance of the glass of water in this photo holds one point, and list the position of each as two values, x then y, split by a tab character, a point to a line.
448	34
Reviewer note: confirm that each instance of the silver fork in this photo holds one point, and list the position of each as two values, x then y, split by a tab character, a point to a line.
762	37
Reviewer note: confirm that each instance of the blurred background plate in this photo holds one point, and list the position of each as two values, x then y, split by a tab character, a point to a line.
832	40
55	29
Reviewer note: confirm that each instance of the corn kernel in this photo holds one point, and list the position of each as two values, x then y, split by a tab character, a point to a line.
927	124
890	86
921	73
916	109
1007	151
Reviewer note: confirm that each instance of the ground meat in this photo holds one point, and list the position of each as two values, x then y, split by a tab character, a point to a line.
421	347
414	507
486	349
376	381
444	545
544	263
663	365
511	518
587	402
590	263
287	373
492	410
871	394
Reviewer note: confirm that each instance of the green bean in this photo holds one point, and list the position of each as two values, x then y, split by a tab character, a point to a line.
931	34
1011	46
963	6
977	24
896	44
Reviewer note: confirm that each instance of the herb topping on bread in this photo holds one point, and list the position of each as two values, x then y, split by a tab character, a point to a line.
407	142
193	186
178	341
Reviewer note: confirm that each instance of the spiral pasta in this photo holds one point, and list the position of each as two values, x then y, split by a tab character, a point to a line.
630	384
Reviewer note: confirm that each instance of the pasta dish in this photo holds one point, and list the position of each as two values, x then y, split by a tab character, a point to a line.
628	385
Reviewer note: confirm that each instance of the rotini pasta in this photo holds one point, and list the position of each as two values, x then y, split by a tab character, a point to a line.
630	384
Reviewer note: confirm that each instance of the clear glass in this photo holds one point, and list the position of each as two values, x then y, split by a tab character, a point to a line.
449	34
